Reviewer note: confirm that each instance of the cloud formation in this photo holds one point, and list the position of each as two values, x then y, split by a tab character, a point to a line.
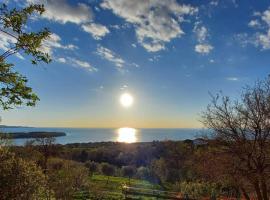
202	34
6	41
54	41
232	78
262	37
81	14
156	22
203	48
109	55
77	63
96	30
60	11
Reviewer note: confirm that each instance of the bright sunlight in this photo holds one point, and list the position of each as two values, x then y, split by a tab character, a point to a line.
127	135
126	100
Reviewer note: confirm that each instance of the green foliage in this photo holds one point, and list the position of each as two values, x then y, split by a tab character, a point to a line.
99	189
14	90
143	173
198	190
128	171
66	178
19	179
91	166
107	169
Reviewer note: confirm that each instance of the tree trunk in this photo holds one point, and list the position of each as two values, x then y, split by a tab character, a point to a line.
245	194
258	191
264	189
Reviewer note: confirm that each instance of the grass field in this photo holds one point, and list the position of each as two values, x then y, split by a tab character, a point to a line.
113	189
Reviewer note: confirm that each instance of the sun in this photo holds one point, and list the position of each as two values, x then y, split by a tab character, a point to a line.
126	100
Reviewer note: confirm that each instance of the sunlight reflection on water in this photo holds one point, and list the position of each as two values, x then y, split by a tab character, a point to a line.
127	135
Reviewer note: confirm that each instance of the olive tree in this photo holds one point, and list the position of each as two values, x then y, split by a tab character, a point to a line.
128	171
241	136
107	170
91	166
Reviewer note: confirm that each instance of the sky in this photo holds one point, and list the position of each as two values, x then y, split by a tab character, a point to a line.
168	54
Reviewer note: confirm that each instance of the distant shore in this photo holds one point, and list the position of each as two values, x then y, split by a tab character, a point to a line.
33	134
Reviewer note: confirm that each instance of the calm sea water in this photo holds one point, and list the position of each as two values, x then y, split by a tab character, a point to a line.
84	135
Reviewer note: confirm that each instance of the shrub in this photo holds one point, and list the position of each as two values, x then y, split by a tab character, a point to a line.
107	170
19	179
66	178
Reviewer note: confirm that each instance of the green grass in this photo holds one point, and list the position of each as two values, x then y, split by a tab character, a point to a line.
113	189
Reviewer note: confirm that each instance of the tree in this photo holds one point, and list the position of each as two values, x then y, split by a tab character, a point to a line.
91	166
13	25
66	178
143	173
46	146
19	179
241	136
107	170
128	171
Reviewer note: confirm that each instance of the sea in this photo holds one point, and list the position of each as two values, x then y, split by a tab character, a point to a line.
85	135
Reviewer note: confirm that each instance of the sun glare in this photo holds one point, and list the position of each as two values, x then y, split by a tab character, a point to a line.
127	135
126	100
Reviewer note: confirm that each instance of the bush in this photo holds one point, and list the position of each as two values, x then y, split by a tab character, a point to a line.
66	178
197	189
107	170
19	179
91	166
128	171
143	173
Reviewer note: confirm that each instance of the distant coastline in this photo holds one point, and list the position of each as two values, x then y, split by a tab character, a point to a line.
7	126
33	134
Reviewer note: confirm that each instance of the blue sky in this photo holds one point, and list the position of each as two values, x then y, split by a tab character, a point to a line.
168	54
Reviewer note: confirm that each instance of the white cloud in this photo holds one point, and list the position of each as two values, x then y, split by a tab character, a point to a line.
81	63
262	39
6	41
156	22
77	63
254	23
243	39
54	41
214	3
266	16
115	26
232	78
110	56
154	58
61	60
61	11
202	34
203	48
96	30
135	64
